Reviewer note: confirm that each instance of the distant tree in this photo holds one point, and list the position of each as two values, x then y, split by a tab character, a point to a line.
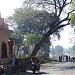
73	24
73	48
73	14
73	19
59	50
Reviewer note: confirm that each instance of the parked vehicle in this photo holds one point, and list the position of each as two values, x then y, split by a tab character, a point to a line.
2	72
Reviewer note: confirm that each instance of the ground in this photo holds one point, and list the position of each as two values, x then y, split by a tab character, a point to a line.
56	68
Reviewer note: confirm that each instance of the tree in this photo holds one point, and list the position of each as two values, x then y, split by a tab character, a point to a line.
73	48
73	4
55	9
59	50
73	19
31	39
28	22
56	51
58	7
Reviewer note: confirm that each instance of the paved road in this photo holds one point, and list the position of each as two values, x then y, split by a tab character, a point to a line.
63	68
59	68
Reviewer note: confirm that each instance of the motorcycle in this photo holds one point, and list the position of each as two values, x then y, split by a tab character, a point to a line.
2	68
35	67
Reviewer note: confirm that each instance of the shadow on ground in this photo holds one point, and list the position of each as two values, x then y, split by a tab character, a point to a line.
65	68
28	73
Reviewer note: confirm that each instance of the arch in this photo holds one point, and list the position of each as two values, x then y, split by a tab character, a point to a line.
3	50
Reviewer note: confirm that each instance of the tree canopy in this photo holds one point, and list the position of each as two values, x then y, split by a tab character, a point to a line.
32	38
73	14
57	7
48	23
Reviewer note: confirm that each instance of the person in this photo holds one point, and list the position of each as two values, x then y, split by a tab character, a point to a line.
35	62
13	59
60	58
69	58
66	58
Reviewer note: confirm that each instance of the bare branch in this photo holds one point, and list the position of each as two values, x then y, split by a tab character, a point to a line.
62	7
66	23
66	19
63	0
55	7
58	27
69	2
71	12
59	3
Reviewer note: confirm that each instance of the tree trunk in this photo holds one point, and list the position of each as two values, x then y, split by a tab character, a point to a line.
45	37
38	45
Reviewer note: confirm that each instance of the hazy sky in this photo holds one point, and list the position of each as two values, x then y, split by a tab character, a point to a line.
7	7
65	36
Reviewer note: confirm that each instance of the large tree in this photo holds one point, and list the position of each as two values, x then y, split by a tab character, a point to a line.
56	7
32	21
55	21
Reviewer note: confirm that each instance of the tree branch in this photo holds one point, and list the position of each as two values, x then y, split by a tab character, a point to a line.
69	2
55	7
58	27
62	7
59	3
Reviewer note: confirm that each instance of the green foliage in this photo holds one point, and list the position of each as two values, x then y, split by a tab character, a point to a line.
44	23
15	34
29	20
32	38
73	4
73	47
73	14
21	14
73	19
34	22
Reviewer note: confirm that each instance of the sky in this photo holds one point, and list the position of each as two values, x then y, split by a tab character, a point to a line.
7	8
66	35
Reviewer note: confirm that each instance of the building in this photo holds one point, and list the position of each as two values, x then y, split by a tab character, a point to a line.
4	39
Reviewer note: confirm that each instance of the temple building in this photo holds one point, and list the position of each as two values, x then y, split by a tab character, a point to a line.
4	42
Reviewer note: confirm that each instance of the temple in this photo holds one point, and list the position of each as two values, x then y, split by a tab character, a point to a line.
4	42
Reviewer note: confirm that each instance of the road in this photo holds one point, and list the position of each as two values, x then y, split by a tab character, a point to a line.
59	68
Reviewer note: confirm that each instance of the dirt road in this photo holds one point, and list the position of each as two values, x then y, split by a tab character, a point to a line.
59	68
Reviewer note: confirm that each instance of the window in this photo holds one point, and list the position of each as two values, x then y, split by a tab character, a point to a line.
3	50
